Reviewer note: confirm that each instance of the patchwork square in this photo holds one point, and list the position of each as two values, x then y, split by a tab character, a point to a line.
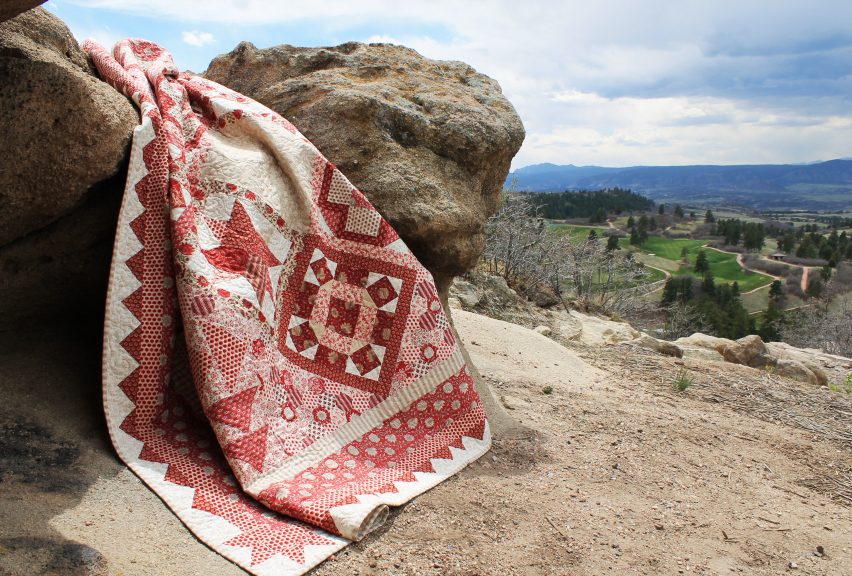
362	220
346	319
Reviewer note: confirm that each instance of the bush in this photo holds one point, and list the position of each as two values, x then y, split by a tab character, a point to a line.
682	381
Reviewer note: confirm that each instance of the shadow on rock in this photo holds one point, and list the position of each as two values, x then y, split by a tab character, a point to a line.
53	441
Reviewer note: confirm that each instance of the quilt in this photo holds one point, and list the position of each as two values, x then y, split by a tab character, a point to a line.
277	364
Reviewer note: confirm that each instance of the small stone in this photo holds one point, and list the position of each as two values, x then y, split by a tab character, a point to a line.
793	566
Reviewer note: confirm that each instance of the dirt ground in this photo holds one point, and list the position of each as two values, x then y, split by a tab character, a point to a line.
621	474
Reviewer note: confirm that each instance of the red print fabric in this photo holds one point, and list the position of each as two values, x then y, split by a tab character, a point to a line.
277	366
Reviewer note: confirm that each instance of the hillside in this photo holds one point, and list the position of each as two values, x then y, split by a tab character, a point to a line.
819	186
738	474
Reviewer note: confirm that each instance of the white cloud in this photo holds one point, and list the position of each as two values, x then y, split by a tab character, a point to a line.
614	81
196	38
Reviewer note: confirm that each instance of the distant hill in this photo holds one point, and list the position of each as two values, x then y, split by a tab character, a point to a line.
817	186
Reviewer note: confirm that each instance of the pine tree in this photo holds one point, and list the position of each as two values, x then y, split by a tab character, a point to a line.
775	291
662	209
701	263
678	211
631	222
612	243
634	237
708	285
708	217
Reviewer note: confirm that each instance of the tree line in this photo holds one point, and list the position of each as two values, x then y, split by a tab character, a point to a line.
592	204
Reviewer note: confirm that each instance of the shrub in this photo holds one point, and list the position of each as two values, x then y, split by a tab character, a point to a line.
682	380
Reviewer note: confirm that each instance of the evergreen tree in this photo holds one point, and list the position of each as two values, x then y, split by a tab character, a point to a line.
708	285
701	263
770	324
598	217
775	290
612	243
678	211
631	222
662	209
815	287
592	234
634	237
709	218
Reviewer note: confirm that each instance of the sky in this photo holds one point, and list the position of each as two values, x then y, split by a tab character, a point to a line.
603	82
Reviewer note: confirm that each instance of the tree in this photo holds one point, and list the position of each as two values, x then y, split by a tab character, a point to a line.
635	240
592	234
678	211
662	209
701	263
819	327
708	285
770	325
684	254
515	241
692	215
598	217
815	287
775	290
612	243
631	222
709	218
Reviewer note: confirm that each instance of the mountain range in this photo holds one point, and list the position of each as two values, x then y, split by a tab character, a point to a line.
823	186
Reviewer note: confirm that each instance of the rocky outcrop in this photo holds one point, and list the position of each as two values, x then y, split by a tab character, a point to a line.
595	331
63	129
428	142
11	8
66	136
778	358
659	346
748	351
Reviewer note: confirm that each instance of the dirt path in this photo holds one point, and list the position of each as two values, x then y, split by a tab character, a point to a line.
659	284
805	274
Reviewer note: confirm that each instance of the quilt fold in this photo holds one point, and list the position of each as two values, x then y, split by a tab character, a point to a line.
277	364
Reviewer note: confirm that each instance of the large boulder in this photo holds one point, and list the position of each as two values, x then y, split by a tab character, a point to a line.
748	351
66	136
428	142
11	8
63	129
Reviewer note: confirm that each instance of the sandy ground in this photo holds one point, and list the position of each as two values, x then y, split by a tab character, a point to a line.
622	475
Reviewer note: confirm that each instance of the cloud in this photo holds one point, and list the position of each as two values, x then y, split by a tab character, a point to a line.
608	82
196	38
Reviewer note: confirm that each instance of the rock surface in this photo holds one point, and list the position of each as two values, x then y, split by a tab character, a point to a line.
428	142
11	8
660	346
64	130
66	136
748	351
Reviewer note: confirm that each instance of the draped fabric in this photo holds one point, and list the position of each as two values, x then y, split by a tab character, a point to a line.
277	364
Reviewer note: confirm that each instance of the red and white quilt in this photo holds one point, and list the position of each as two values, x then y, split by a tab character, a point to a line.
277	365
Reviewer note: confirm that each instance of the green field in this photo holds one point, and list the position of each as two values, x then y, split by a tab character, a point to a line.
653	275
669	248
576	232
665	253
